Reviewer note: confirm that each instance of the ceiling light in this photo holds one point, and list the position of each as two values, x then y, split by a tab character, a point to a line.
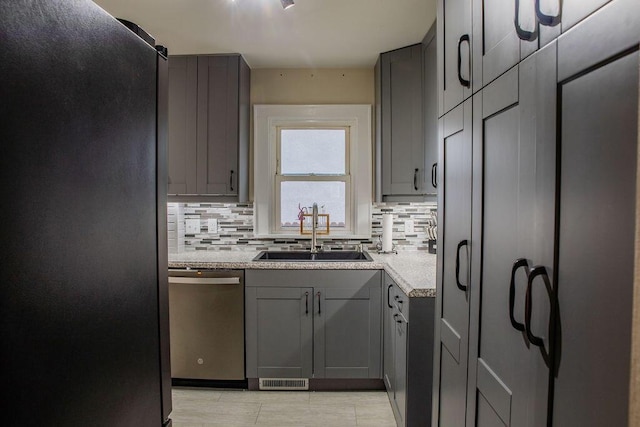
286	4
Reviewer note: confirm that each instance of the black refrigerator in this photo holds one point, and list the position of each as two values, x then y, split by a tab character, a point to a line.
83	276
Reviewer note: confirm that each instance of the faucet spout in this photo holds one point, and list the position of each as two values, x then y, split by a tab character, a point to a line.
314	229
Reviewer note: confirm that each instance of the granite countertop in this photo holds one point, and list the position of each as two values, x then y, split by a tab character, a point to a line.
413	271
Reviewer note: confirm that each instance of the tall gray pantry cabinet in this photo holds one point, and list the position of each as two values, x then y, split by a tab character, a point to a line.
546	180
209	126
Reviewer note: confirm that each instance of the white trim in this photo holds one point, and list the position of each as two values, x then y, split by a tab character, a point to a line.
268	117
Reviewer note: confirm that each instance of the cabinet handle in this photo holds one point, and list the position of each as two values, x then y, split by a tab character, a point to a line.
434	175
548	20
415	179
464	38
460	285
537	341
512	292
306	303
319	305
388	296
525	35
231	180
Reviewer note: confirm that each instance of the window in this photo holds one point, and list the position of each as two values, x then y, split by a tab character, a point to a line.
312	167
312	154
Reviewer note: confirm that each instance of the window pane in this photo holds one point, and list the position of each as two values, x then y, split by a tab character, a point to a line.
307	151
329	195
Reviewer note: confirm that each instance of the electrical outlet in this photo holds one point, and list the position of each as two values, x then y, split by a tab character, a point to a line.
409	227
192	226
212	226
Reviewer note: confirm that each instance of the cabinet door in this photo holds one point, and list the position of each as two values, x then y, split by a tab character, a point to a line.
430	107
347	322
498	37
401	332
181	156
452	310
402	138
598	113
279	332
454	54
218	128
514	140
389	338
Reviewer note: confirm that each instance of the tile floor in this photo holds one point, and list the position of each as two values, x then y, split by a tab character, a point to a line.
207	408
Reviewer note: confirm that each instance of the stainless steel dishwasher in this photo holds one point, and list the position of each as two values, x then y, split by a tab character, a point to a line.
206	315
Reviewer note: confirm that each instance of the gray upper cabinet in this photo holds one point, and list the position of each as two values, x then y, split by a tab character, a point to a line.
406	120
314	324
430	108
504	31
217	115
183	90
403	166
454	53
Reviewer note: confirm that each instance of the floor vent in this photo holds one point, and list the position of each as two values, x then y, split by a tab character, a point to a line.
284	384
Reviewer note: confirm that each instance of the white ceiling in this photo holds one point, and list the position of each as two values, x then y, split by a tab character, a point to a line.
311	34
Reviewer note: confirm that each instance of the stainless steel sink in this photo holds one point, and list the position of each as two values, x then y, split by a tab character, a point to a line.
296	256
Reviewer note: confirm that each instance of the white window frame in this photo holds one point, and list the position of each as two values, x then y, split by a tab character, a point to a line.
268	119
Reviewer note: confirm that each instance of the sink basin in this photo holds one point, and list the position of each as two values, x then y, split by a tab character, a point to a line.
331	256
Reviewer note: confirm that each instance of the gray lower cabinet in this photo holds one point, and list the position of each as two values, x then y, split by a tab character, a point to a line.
313	324
209	126
408	355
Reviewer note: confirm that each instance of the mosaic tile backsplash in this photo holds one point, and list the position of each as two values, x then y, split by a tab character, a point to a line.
229	227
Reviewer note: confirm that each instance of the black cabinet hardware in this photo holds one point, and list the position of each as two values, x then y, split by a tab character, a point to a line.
464	38
460	285
512	291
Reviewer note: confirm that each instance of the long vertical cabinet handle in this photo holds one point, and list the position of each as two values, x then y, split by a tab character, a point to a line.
537	341
512	292
525	35
231	180
548	20
415	179
306	303
464	38
434	175
388	296
319	305
460	285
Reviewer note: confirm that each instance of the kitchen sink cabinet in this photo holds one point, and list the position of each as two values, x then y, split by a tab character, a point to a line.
314	324
183	90
408	355
209	126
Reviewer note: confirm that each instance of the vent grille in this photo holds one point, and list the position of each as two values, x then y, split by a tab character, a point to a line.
284	384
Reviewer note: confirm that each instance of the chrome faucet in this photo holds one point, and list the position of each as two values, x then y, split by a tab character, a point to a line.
314	229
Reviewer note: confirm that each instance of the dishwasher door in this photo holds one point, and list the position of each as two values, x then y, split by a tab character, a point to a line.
206	315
